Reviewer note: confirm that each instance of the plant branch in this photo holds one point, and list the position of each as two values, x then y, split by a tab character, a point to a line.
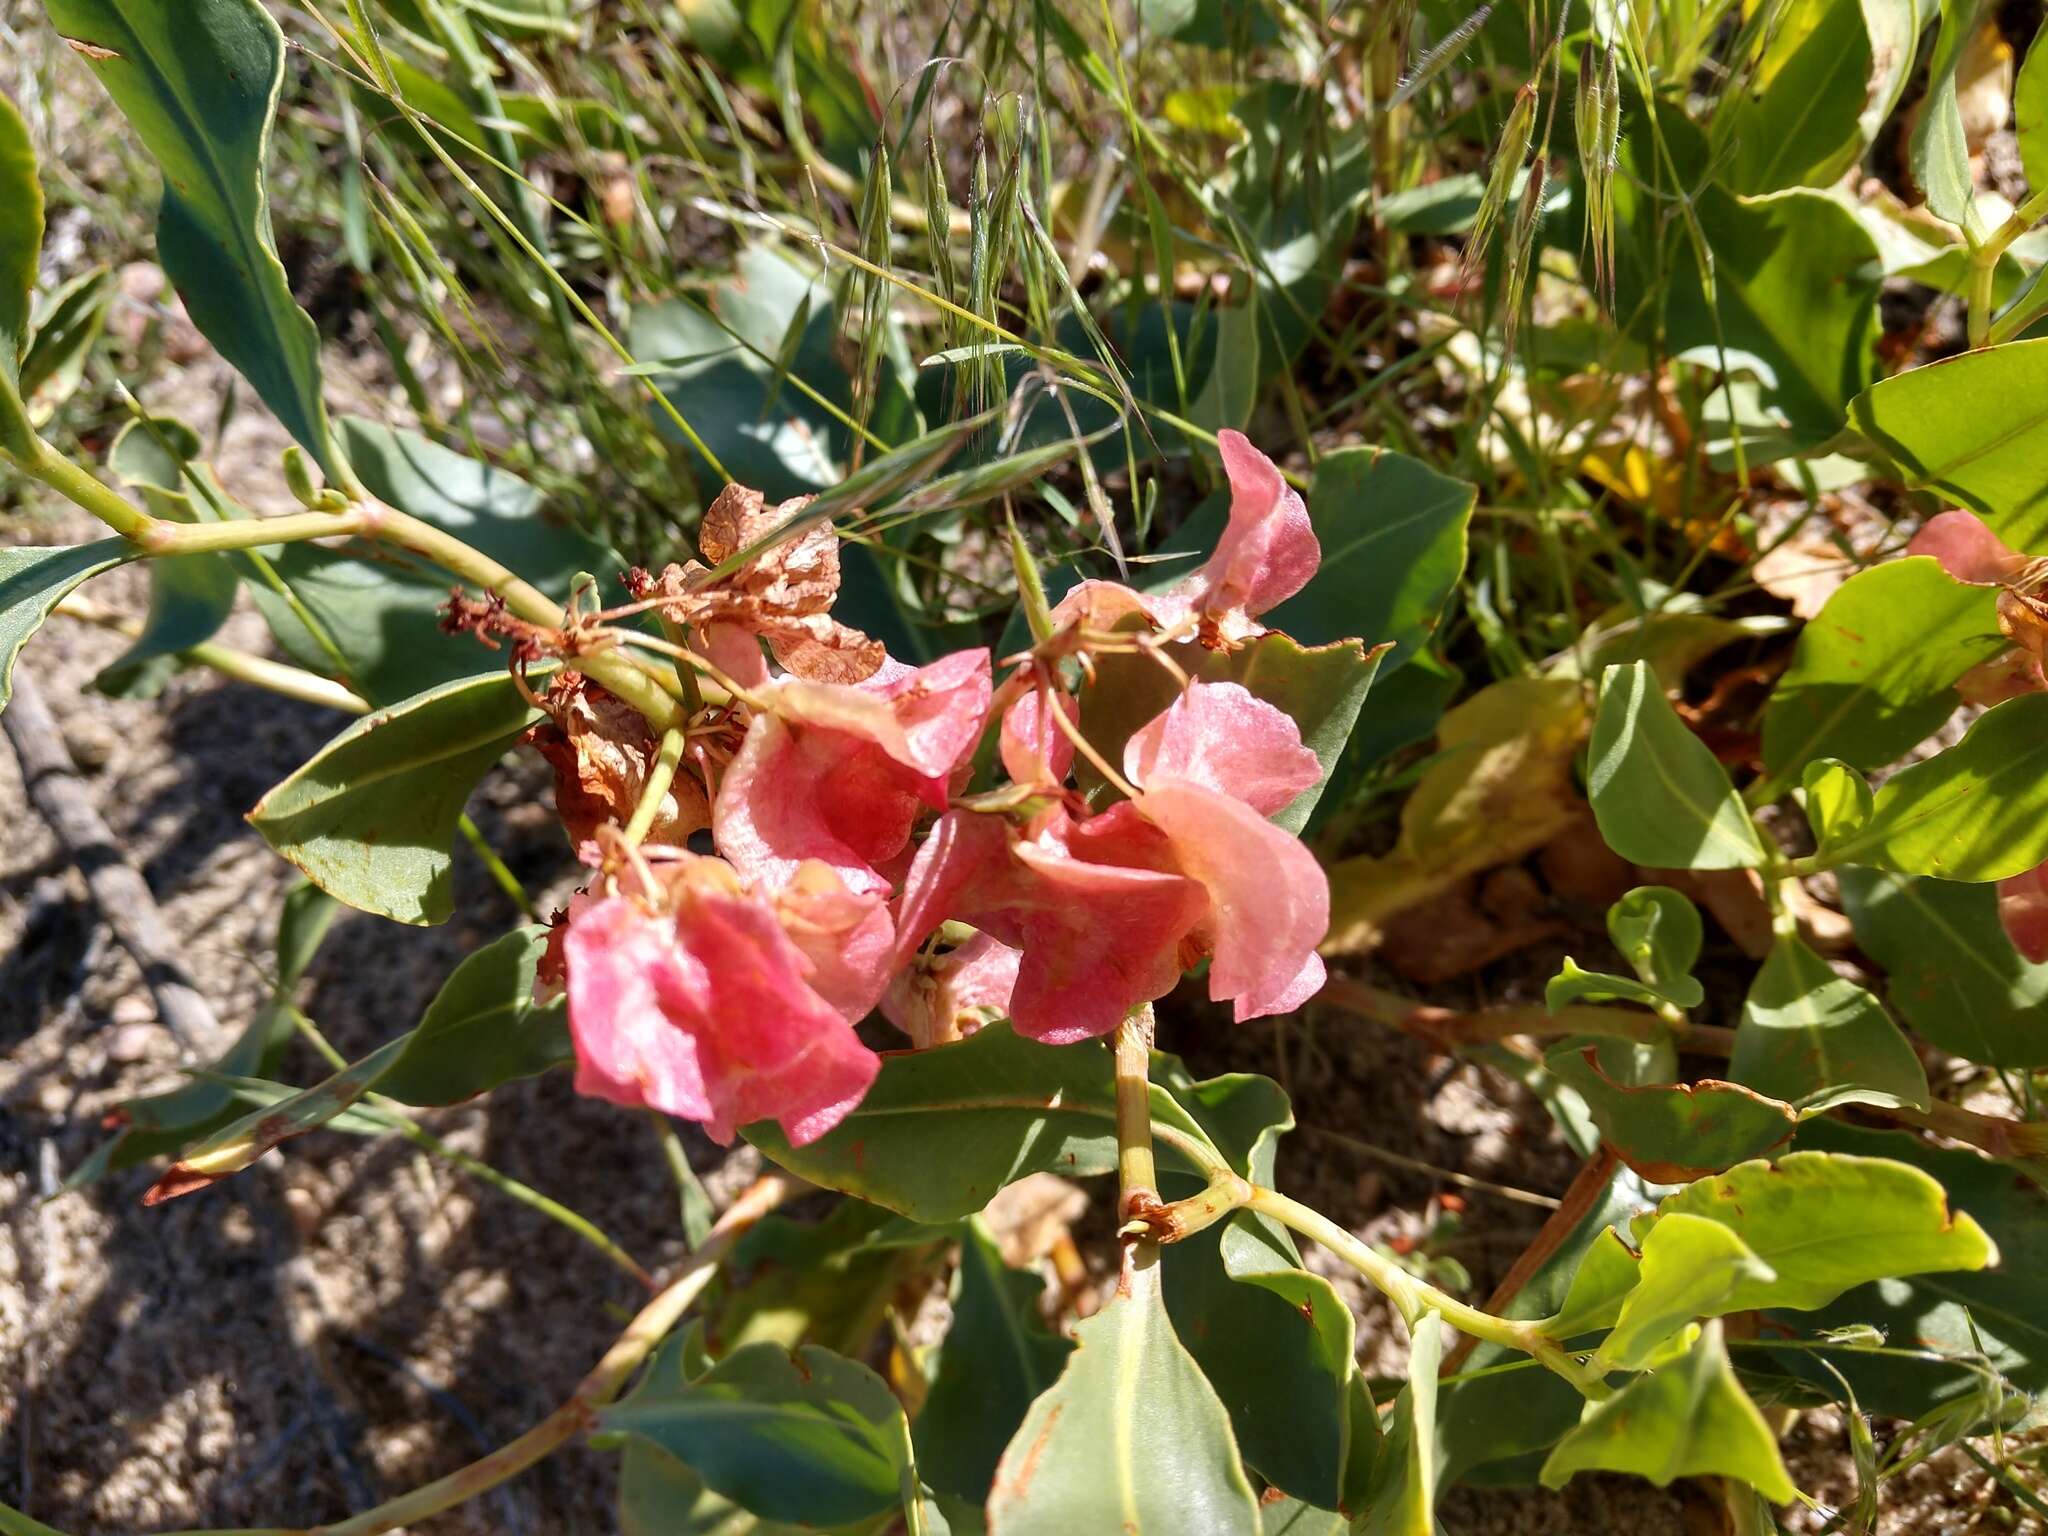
1413	1298
1137	1176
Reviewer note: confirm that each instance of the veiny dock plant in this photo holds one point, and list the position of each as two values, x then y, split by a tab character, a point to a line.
810	794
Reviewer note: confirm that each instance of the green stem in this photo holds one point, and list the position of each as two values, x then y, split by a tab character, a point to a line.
1413	1297
69	481
1984	260
659	777
1137	1176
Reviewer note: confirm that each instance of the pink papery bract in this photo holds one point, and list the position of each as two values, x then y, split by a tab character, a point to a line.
1968	550
2023	910
1034	748
706	1013
838	772
1267	553
1269	901
1221	737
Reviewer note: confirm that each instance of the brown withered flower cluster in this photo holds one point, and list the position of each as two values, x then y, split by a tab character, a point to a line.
602	750
783	596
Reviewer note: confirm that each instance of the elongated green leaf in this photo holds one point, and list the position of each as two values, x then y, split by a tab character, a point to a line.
808	1437
1131	1438
199	80
1660	798
21	233
1690	1267
1001	1106
2030	116
1940	151
1950	970
1824	1222
240	1144
1573	984
1815	1039
68	320
1402	1496
34	580
1978	811
1670	1132
1600	1285
2001	1309
1975	428
1690	1418
1798	117
482	1029
1875	671
370	818
997	1359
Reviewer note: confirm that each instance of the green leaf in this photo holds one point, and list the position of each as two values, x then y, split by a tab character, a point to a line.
1950	970
997	1359
1975	428
1572	984
1321	688
199	82
1492	1427
190	597
1797	117
1690	1266
1658	794
1795	281
1690	1418
1671	1132
1659	933
1816	1039
1132	1437
1393	536
999	1106
68	320
1940	151
808	1437
236	1147
2030	115
21	233
1939	1321
1838	801
828	1282
34	580
1977	811
482	1029
1401	1500
371	817
1600	1285
1824	1222
1874	673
